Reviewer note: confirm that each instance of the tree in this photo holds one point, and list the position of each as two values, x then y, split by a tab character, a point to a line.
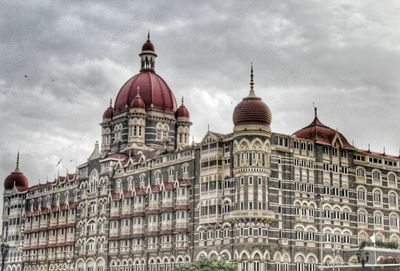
212	264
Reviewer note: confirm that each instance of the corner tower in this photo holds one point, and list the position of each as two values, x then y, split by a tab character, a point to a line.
251	158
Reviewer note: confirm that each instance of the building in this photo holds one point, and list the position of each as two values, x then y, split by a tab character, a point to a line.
149	200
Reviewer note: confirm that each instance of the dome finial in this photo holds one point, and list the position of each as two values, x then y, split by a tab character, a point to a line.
17	166
110	102
252	93
148	35
315	110
182	100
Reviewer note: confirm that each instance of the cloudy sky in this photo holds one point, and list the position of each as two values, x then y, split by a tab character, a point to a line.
61	62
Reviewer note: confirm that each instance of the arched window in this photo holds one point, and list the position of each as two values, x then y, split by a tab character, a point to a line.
391	179
377	196
393	221
378	219
392	198
361	193
360	172
362	217
299	263
245	263
376	176
257	262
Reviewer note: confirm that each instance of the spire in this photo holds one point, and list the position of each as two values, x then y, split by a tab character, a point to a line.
315	110
17	166
182	100
252	93
148	35
110	102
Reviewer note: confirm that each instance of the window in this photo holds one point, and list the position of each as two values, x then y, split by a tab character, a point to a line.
378	219
393	221
376	176
392	199
256	266
391	179
362	217
377	196
361	194
360	172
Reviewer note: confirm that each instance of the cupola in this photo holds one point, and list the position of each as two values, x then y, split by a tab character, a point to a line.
182	111
138	102
16	178
252	110
148	55
108	114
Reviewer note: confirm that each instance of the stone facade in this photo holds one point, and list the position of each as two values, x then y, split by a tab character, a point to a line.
150	201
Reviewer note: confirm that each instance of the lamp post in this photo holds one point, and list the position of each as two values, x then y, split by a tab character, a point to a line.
4	248
362	257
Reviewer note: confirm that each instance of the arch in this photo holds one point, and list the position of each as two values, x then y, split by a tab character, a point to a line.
225	255
244	255
277	257
256	254
213	254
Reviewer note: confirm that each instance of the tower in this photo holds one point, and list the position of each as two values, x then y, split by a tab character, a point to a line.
182	126
137	119
106	129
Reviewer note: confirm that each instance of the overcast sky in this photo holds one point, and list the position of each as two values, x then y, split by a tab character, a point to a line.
61	62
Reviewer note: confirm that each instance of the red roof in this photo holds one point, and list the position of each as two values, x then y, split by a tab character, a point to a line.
153	90
169	186
137	102
319	132
183	182
148	46
182	111
155	188
17	178
252	110
108	114
140	191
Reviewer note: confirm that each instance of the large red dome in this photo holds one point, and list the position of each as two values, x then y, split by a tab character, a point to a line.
17	178
153	90
252	110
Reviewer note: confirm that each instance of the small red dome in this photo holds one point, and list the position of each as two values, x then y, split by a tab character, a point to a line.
153	90
252	110
108	114
182	112
148	46
138	102
317	131
17	178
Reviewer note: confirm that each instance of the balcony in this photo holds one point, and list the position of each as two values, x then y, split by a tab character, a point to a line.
263	215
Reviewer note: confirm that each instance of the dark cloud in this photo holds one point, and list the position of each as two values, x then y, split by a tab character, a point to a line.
343	56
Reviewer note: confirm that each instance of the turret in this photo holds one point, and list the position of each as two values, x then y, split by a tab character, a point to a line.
182	126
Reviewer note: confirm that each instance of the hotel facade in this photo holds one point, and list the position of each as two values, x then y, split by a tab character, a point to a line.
149	200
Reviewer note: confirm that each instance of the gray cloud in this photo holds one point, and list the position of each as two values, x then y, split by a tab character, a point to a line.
343	56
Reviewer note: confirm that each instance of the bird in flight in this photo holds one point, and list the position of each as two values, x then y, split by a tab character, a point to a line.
59	162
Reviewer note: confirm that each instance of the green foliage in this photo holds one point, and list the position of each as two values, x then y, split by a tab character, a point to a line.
207	265
380	244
